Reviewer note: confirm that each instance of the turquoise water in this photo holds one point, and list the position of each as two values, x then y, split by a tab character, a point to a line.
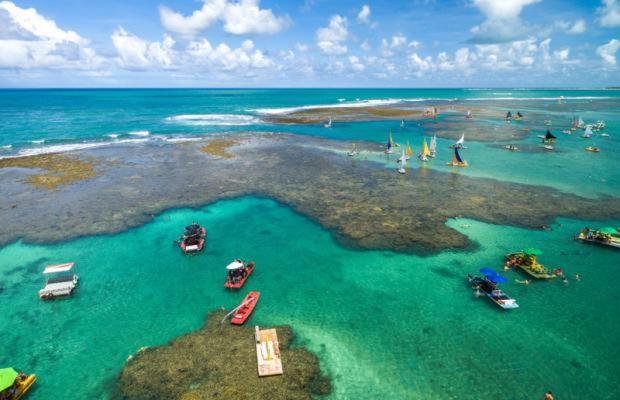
387	325
383	324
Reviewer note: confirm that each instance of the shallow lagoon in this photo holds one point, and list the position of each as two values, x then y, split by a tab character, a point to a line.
383	324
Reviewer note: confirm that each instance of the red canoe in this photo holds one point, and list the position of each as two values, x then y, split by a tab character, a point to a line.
237	285
246	308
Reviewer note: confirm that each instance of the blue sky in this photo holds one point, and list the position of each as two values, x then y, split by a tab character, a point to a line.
269	43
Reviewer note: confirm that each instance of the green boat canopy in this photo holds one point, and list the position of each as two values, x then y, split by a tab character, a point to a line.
533	251
7	377
608	230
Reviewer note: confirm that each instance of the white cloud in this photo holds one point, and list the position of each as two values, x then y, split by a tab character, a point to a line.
29	40
365	45
609	13
608	51
575	28
239	18
562	54
396	42
223	56
301	47
330	39
420	65
363	17
502	22
356	64
135	53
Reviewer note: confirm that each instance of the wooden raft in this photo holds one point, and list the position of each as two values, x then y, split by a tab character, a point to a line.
268	352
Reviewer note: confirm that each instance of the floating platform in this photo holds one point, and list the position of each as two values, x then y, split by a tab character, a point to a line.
268	352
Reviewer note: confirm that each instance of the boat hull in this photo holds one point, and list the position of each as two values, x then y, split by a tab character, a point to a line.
24	386
612	244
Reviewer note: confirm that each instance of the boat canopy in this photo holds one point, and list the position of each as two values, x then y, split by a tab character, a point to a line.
7	378
608	230
492	275
234	265
50	269
533	251
549	135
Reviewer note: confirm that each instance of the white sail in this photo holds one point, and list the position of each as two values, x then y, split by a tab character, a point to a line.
433	147
461	141
329	124
588	131
403	157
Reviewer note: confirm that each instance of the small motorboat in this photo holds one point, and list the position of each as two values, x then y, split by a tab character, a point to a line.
61	281
238	273
193	239
243	312
488	286
593	149
14	385
548	147
605	236
547	122
511	147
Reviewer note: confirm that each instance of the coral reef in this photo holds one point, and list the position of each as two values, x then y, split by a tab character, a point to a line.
57	169
219	362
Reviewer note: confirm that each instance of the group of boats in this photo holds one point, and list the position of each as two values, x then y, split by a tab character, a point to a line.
527	262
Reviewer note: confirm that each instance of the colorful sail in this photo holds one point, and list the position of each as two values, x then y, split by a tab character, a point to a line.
408	150
457	156
425	151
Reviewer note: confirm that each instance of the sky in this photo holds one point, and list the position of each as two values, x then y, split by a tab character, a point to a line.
309	43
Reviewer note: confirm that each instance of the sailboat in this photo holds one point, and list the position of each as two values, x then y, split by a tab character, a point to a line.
468	115
588	132
549	137
403	163
457	160
390	144
580	123
459	143
424	153
433	147
408	151
353	151
329	124
402	123
508	116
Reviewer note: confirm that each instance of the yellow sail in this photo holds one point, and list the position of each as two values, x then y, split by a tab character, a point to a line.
390	139
425	150
408	150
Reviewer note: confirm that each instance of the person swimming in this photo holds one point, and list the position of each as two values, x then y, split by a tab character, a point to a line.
548	396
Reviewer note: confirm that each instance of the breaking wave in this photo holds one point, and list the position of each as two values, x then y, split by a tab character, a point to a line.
215	119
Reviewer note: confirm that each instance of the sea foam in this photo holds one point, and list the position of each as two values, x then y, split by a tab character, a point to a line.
214	119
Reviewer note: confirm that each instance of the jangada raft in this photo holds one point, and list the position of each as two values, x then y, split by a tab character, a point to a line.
487	286
605	236
457	160
193	239
14	385
238	273
61	281
526	261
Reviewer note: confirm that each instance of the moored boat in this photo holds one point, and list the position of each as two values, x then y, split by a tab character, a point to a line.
488	285
328	124
433	146
511	147
425	152
526	261
14	385
390	144
238	273
605	236
61	281
460	144
193	239
243	312
402	163
508	116
457	160
408	151
593	149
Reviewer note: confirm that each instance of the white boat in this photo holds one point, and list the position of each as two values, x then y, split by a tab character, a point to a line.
604	134
433	146
402	163
329	124
61	281
588	132
600	125
468	115
580	123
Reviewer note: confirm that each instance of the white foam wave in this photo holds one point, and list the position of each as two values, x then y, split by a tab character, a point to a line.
360	103
215	119
539	98
40	141
113	135
63	148
7	146
140	133
182	139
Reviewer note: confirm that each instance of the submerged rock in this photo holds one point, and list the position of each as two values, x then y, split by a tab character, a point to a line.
219	362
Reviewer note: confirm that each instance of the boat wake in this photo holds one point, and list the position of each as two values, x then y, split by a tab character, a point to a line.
214	119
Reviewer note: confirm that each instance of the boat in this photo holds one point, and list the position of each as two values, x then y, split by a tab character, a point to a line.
390	144
488	285
238	273
599	125
408	151
353	151
580	123
425	152
518	117
459	143
402	123
243	312
267	352
547	122
567	131
604	236
14	385
588	132
511	147
193	239
593	149
328	124
508	116
526	261
433	146
61	281
402	163
468	115
549	137
548	147
604	134
457	161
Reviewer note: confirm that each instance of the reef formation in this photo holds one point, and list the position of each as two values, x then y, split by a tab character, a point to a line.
219	362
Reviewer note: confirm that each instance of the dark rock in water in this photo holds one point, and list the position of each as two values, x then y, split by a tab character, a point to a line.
219	361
